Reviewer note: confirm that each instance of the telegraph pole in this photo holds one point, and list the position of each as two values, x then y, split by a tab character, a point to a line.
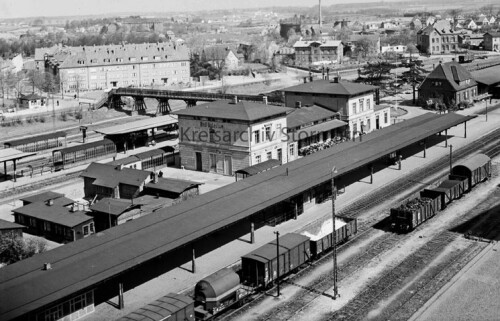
278	260
334	238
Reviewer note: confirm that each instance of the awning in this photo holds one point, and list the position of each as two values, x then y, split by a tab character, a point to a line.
317	129
258	168
140	125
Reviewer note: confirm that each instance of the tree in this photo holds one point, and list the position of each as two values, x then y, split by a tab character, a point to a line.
488	9
415	75
364	46
454	13
375	73
14	248
35	78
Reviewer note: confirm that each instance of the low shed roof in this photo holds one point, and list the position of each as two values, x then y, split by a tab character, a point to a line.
112	206
260	167
140	125
76	148
10	154
54	213
110	176
317	129
487	76
172	185
32	139
42	197
6	225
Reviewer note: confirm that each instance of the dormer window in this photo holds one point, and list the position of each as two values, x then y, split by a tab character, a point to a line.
144	58
156	57
131	59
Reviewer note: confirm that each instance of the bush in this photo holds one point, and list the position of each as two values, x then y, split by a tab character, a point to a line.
14	248
42	119
63	116
78	115
19	121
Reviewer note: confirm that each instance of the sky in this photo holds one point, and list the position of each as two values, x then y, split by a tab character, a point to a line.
32	8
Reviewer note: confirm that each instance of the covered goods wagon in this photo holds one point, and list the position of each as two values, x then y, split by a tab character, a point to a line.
476	169
171	307
320	233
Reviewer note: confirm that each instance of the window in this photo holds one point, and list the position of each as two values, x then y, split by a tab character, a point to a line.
291	149
269	155
257	159
278	128
386	120
85	230
268	133
368	103
92	229
54	313
212	135
256	136
353	108
46	226
32	221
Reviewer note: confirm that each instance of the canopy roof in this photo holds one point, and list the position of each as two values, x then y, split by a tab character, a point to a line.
260	167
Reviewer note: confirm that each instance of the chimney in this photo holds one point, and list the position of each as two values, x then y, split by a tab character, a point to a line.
119	167
305	80
47	266
298	104
235	99
72	208
50	202
264	99
155	178
452	59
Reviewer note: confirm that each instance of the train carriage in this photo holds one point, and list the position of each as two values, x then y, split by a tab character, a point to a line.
171	307
83	154
260	267
476	169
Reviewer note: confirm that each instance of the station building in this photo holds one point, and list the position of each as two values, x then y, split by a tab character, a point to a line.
223	137
355	104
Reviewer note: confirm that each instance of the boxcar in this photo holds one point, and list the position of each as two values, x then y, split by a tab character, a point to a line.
320	234
476	169
259	268
172	307
217	292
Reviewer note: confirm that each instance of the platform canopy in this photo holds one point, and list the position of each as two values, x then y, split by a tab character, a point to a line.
11	154
140	125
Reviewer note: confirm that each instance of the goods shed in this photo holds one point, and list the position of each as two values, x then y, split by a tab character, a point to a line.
256	169
38	143
87	264
12	155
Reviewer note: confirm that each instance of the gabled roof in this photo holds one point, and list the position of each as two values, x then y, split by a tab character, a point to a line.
305	115
6	225
307	44
452	72
342	88
32	96
53	213
487	76
111	176
493	34
243	110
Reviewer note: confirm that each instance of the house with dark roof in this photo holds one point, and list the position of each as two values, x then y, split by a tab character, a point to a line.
104	180
449	83
438	38
325	51
222	137
221	56
11	228
56	219
492	41
354	103
32	101
41	197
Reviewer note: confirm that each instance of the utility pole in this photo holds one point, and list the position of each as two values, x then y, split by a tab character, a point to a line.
451	157
334	238
278	261
486	108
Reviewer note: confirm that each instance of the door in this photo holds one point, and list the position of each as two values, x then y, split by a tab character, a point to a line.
280	155
377	123
199	166
228	165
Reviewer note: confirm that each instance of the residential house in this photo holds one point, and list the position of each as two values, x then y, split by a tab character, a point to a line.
432	40
373	39
223	137
449	83
471	40
396	49
492	41
316	52
170	35
354	103
416	24
470	24
99	67
10	228
56	219
104	180
430	21
221	56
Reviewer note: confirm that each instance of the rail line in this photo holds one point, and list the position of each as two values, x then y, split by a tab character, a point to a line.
381	244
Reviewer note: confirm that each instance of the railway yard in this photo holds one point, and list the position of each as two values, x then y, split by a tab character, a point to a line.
382	274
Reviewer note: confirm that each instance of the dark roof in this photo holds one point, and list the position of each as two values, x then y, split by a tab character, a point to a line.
218	284
54	213
493	34
316	129
124	161
172	185
452	72
151	153
32	139
260	167
32	96
76	148
141	156
112	206
342	88
160	309
267	252
80	265
380	107
474	162
487	76
305	115
6	225
42	197
110	176
243	110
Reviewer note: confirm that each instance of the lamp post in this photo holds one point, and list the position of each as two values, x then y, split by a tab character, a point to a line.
451	153
334	239
278	261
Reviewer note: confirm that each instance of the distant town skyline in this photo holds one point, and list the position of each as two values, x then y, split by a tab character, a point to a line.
50	8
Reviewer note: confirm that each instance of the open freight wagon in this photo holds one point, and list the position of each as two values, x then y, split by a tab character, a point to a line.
412	213
320	234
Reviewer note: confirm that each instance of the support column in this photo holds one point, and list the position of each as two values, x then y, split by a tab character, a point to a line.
190	103
115	102
465	130
425	147
252	233
163	107
371	173
5	169
400	159
121	303
139	105
446	138
193	262
15	178
296	209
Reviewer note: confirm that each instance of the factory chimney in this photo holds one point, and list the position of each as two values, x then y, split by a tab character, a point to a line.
320	22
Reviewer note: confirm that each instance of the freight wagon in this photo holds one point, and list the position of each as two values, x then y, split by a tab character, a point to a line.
463	177
172	307
260	267
320	234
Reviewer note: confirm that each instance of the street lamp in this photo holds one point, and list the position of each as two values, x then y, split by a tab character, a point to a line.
451	152
334	238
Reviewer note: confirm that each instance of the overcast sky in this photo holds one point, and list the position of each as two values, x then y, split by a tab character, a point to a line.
30	8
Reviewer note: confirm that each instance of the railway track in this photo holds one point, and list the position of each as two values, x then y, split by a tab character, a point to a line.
381	244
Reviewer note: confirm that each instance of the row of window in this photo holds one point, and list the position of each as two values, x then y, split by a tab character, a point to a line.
77	307
267	135
362	105
444	47
444	39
